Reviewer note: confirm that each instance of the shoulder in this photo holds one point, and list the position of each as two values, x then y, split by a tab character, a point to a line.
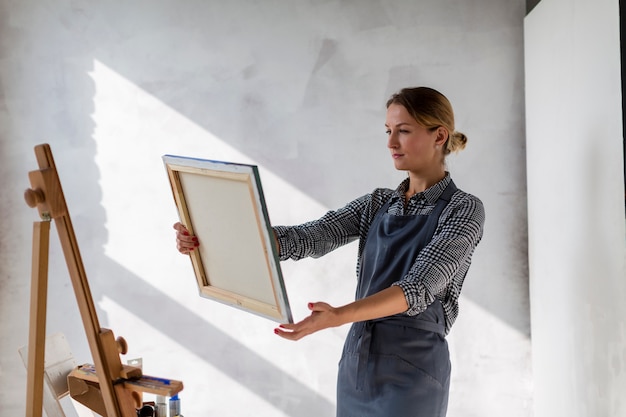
381	193
467	205
465	198
368	205
376	197
379	196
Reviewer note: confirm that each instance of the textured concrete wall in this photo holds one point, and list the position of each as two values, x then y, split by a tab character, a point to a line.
576	208
297	88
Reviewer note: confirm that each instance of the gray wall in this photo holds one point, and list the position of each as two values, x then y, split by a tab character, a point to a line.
297	88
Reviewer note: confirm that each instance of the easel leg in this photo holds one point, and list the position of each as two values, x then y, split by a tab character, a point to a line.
37	329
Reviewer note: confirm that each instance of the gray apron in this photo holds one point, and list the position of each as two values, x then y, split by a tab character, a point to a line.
399	365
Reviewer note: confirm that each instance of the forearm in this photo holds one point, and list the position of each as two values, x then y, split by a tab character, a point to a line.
385	303
318	237
313	239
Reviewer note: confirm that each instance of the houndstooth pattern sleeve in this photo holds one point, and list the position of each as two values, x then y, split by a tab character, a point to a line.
334	229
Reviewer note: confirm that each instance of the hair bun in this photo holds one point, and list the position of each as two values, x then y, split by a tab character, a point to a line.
456	142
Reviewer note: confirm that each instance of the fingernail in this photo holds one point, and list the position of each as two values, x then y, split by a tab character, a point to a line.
276	331
185	233
195	239
310	305
281	326
196	244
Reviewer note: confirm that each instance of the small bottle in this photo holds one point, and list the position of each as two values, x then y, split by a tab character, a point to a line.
161	406
174	406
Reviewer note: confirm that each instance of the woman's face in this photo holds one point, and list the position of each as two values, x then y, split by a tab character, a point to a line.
413	147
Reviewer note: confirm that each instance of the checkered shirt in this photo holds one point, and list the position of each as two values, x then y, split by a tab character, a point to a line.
440	268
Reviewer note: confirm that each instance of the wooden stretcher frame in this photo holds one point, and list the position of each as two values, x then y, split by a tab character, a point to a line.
237	264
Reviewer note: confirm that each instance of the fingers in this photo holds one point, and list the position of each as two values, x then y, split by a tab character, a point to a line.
290	332
178	226
319	306
185	242
322	316
294	331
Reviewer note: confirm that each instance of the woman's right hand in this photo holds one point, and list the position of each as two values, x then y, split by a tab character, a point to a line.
185	242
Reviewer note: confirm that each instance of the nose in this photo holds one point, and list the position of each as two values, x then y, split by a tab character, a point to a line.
392	140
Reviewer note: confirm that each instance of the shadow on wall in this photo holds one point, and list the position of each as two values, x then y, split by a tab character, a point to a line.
216	347
530	4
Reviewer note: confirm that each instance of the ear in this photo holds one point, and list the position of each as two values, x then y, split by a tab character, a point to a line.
442	136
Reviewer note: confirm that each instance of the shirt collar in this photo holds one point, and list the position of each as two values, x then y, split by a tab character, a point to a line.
431	194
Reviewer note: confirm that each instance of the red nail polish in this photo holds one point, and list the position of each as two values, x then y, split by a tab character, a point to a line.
310	305
276	331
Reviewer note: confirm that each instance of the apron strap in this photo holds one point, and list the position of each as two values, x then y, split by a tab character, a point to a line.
443	200
415	323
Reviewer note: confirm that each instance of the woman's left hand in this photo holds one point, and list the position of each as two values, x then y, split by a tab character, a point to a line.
322	317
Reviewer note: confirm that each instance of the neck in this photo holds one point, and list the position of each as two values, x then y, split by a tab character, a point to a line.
420	182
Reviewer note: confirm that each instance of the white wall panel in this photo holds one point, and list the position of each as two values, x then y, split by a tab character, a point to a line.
576	208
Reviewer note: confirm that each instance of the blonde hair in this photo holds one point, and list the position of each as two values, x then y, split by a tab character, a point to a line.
431	109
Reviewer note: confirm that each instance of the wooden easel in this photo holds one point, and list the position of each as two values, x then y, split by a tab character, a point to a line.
119	386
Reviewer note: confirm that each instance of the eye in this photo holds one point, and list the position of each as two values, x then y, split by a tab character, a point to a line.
403	131
388	132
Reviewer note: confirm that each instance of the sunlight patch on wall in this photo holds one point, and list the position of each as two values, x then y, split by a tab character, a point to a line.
133	130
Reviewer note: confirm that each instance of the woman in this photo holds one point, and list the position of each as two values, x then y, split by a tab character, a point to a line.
415	247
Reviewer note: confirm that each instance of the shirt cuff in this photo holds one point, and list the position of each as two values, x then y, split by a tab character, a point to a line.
412	291
283	242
